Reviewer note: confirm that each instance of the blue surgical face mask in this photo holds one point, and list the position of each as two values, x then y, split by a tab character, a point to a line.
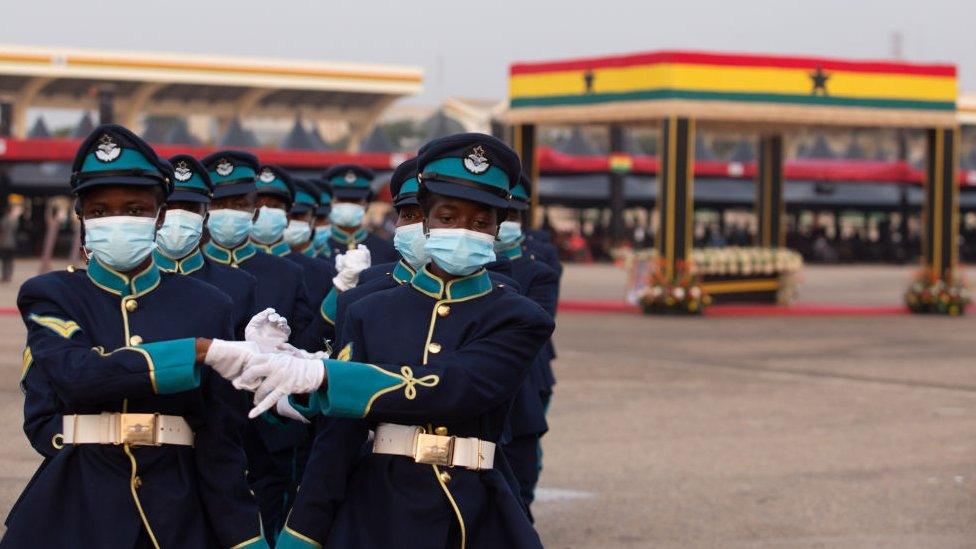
270	224
120	242
297	232
322	233
460	251
229	227
179	234
509	234
347	214
410	242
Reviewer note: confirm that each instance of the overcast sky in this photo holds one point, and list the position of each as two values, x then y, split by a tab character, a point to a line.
465	46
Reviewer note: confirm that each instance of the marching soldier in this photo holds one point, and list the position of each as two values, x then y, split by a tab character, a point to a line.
285	203
178	240
535	241
150	451
272	447
351	193
432	367
323	225
280	283
527	422
410	242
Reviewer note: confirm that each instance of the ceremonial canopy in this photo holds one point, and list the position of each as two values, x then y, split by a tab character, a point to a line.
680	91
739	88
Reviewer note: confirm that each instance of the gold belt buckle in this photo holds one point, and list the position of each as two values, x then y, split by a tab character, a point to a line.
434	450
138	429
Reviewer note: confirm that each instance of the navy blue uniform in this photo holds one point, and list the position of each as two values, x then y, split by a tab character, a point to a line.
423	354
239	286
272	448
280	283
317	273
384	277
380	250
107	343
527	422
537	243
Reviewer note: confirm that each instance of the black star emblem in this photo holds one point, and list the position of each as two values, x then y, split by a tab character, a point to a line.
588	77
819	78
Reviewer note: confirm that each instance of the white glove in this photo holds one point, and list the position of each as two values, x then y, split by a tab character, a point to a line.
281	375
228	358
349	265
291	350
267	329
285	409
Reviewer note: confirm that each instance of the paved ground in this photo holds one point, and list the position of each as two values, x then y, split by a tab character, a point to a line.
730	432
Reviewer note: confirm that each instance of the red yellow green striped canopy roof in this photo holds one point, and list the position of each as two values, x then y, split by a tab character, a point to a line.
733	87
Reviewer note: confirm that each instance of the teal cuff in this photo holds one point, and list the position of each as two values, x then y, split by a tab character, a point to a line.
329	306
353	386
172	365
290	539
269	417
309	410
256	543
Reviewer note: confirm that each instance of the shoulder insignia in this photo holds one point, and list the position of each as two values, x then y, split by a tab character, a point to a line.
64	328
28	360
346	353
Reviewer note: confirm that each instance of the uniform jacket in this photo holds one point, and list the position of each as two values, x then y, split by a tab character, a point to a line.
427	354
109	343
380	250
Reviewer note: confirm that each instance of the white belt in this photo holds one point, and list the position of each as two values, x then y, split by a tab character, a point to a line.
432	449
134	429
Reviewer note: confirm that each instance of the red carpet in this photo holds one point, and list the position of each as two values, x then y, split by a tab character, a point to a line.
796	309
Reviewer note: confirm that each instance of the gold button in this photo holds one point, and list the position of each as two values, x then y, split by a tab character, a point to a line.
445	477
443	310
137	482
434	348
441	431
57	441
131	305
71	268
135	340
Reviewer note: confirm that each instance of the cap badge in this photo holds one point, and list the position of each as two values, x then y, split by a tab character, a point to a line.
224	168
477	162
107	150
350	177
267	176
182	171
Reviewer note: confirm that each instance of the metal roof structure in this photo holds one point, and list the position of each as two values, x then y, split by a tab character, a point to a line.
184	84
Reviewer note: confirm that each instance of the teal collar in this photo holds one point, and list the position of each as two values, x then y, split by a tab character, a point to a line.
279	249
119	284
468	287
325	251
351	239
226	256
192	262
512	253
309	250
402	272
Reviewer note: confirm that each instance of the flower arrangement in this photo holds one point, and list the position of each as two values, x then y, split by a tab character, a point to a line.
930	294
680	293
733	261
